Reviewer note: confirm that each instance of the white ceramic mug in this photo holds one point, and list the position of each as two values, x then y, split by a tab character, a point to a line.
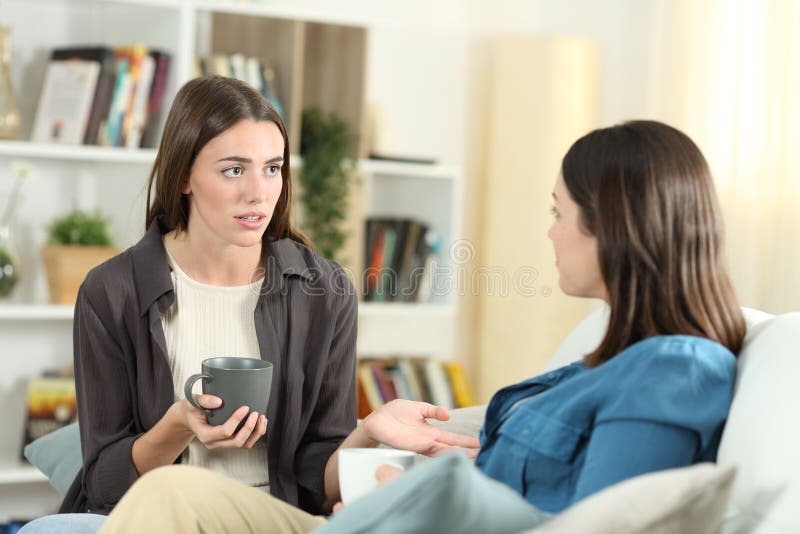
357	469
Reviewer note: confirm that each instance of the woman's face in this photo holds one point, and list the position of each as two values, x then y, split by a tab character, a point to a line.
576	251
235	183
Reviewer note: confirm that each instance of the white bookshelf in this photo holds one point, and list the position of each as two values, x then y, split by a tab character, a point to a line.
35	335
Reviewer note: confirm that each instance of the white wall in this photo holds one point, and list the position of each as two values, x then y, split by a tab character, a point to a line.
621	28
420	66
431	79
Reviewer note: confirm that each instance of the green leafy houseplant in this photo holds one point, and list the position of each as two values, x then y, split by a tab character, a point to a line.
325	177
80	228
77	242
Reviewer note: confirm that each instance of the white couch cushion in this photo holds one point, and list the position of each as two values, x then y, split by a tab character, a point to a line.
675	501
762	436
585	337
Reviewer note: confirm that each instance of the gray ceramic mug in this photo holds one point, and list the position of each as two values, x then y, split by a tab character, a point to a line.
237	381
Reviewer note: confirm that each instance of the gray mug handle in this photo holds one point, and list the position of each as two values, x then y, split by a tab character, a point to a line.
187	390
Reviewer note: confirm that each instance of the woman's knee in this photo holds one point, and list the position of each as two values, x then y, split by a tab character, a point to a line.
171	478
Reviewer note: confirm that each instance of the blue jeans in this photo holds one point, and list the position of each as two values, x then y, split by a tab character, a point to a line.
65	524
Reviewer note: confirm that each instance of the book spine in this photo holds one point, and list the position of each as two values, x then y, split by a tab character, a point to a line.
385	385
140	101
370	386
415	389
102	99
384	289
138	53
458	383
440	387
363	407
151	131
376	258
113	121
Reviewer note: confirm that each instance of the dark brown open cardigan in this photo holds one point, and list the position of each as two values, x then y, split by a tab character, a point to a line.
305	321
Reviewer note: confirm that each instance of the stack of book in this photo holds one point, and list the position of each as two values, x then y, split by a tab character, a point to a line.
102	96
51	404
399	260
251	70
422	379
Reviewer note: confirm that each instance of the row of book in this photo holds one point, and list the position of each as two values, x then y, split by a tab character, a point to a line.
251	70
102	96
422	379
399	257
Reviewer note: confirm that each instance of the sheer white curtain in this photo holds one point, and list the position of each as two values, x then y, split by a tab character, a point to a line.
728	73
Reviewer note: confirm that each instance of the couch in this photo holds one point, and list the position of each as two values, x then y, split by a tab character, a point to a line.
762	435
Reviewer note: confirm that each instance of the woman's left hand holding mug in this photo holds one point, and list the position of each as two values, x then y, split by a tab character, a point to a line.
224	436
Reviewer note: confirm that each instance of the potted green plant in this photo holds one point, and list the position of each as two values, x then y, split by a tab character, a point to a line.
325	178
76	243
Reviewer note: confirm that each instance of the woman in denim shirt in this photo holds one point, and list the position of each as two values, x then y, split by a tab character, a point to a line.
637	225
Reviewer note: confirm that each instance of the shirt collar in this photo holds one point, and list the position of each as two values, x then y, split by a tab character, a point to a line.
150	267
151	270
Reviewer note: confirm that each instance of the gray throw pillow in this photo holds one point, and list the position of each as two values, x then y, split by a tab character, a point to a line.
446	494
58	456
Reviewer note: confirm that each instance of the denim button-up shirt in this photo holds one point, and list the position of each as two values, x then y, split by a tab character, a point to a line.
566	434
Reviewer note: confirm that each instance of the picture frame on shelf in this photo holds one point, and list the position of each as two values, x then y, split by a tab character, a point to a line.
65	102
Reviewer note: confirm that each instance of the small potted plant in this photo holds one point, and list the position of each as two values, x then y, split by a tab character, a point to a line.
77	242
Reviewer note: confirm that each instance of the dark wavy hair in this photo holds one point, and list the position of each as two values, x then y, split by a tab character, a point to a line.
645	192
203	109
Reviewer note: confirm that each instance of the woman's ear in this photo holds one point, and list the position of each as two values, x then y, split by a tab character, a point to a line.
186	188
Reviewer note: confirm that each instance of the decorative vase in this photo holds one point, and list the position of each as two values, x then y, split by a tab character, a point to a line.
9	271
9	111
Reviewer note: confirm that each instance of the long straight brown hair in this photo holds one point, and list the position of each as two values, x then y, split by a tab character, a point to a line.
645	192
203	109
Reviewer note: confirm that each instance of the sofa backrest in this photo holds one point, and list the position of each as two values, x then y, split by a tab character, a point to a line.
585	337
762	435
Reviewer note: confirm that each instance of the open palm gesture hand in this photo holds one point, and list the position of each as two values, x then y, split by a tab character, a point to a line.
402	424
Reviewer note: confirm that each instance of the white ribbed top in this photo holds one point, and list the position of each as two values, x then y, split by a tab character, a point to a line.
207	321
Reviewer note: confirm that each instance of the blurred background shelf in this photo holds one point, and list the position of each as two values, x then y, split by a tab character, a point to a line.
409	170
52	151
31	312
367	310
20	473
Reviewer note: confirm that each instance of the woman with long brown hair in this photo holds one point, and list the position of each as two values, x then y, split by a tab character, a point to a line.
220	271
